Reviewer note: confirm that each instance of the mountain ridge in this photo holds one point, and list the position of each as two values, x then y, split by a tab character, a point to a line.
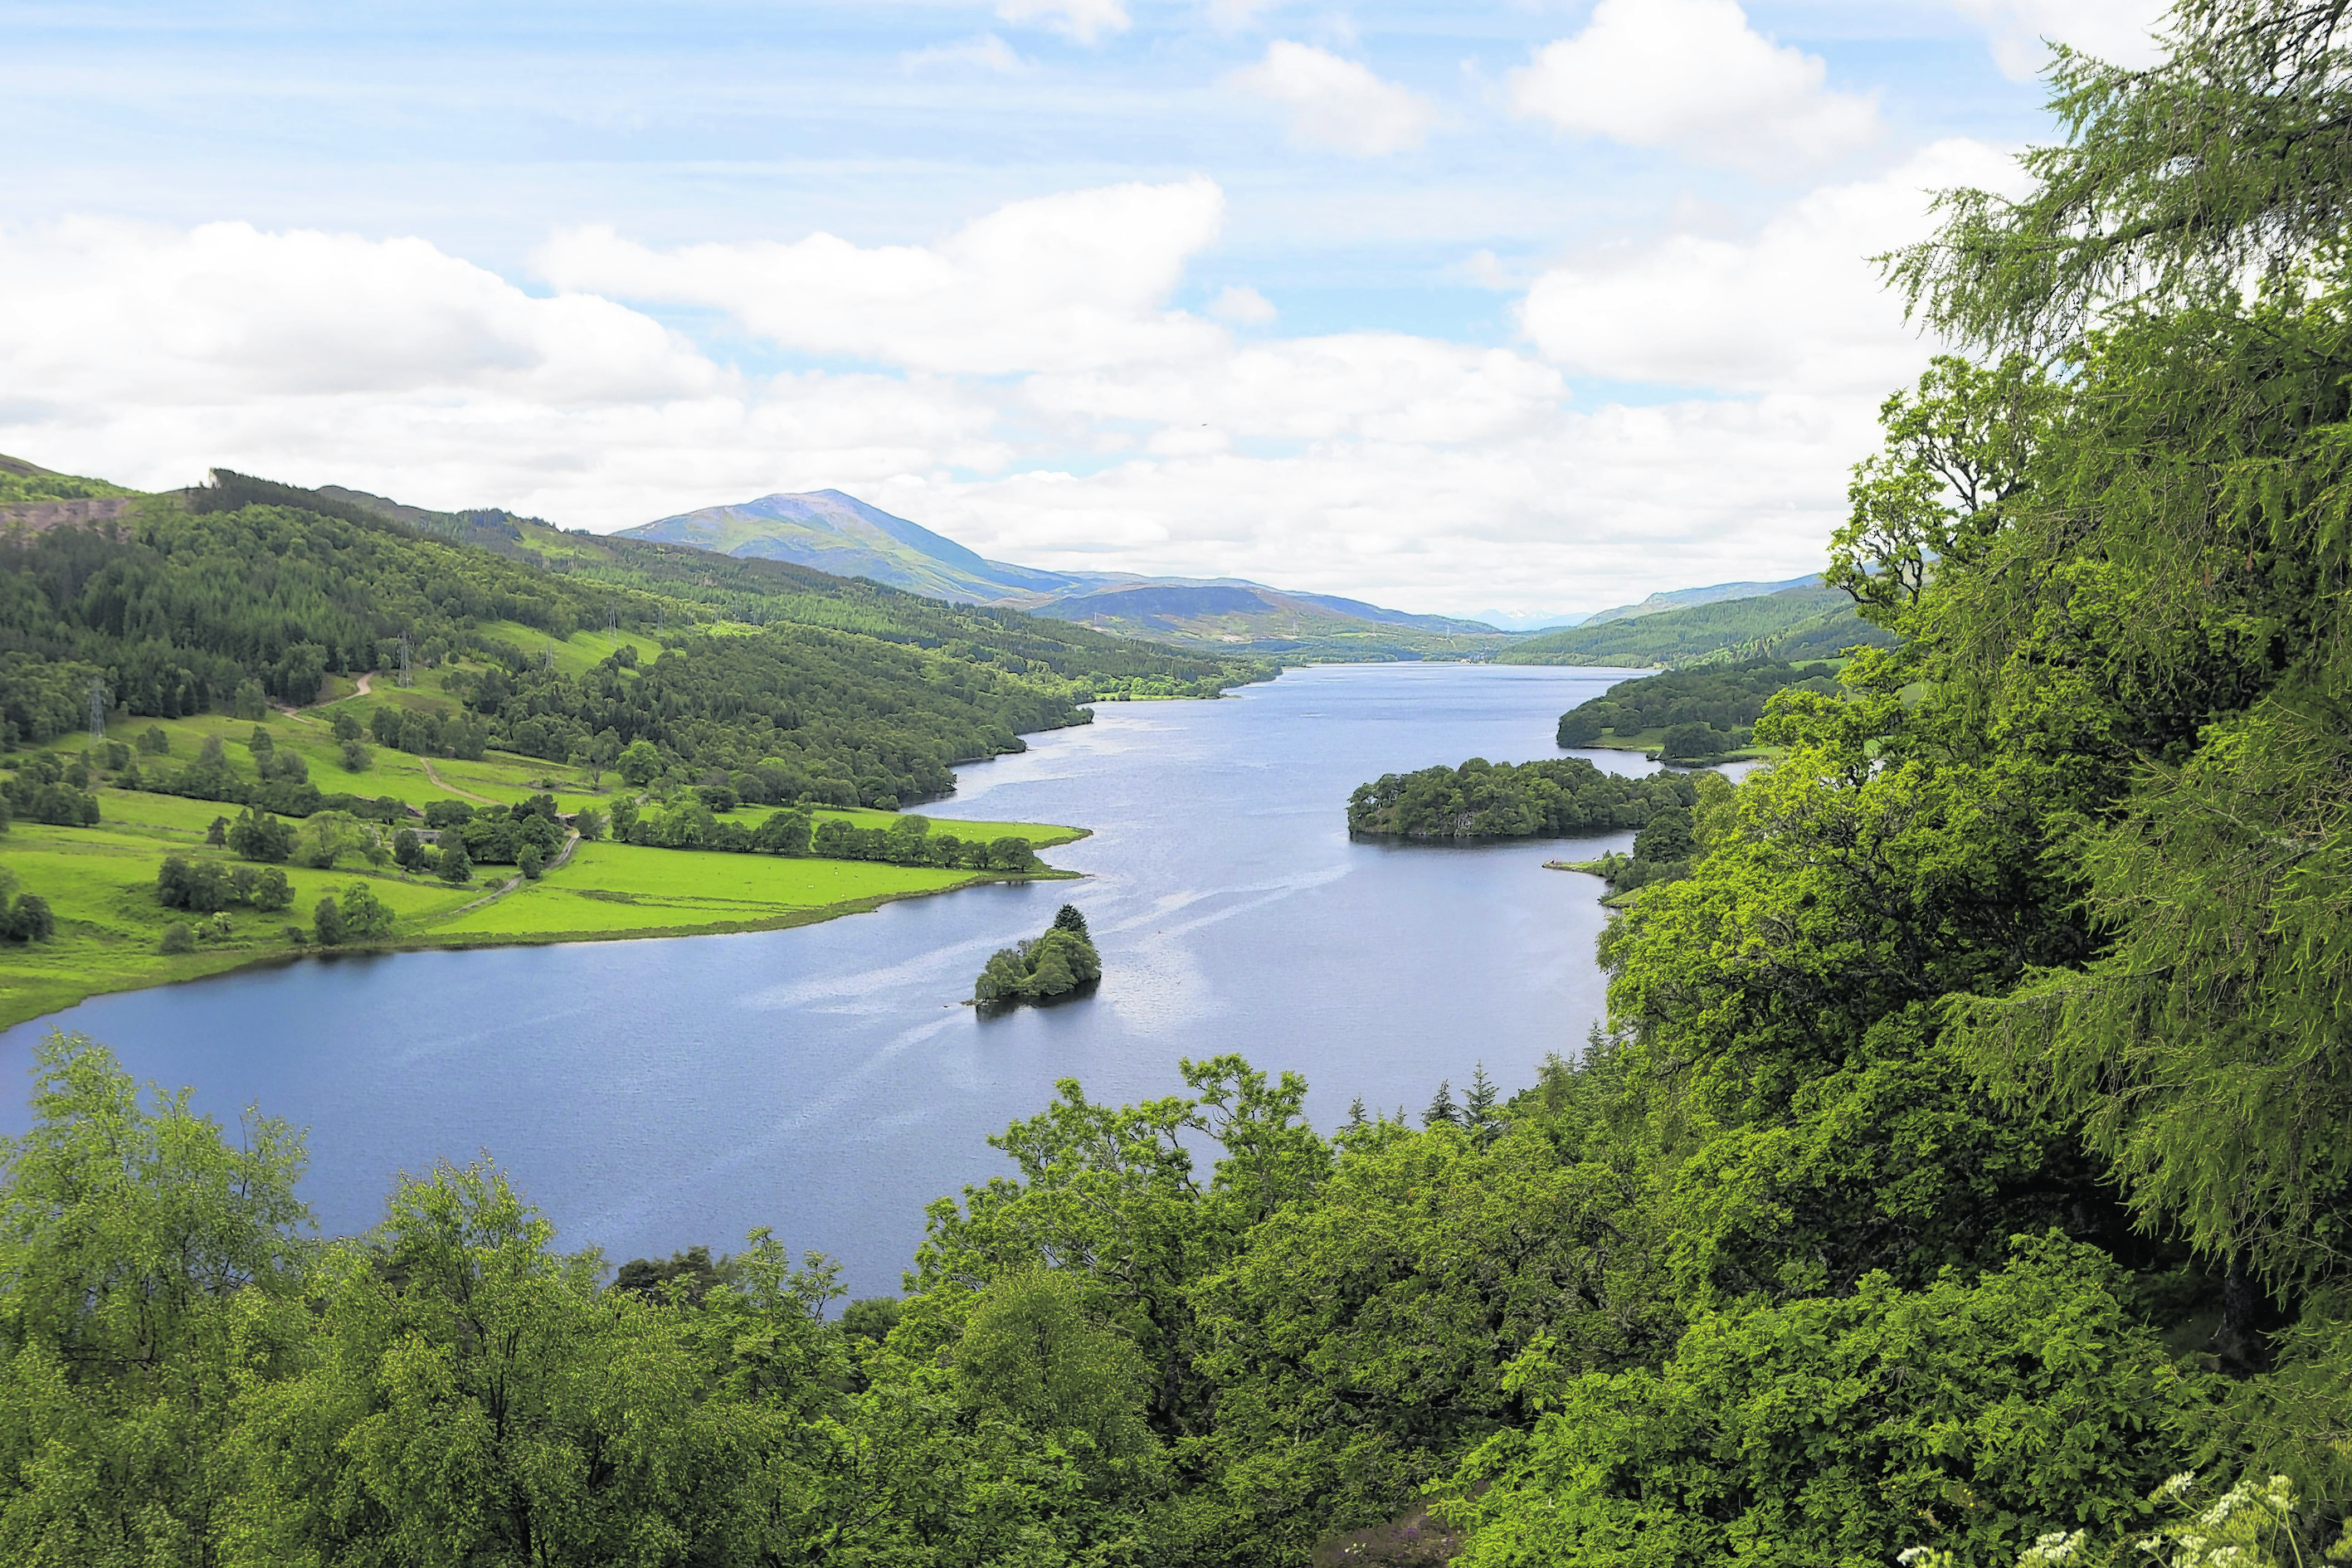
835	531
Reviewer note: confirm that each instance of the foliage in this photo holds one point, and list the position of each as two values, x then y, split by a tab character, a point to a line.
1792	626
1706	712
1504	800
1971	1415
1052	964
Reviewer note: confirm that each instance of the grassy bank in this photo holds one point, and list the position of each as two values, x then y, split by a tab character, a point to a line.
100	880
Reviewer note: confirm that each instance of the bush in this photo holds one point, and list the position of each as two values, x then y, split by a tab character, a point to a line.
178	938
328	918
355	757
28	920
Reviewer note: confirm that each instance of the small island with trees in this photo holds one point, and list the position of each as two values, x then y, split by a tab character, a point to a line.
1059	963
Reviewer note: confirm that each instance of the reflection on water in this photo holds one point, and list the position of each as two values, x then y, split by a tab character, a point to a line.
827	1082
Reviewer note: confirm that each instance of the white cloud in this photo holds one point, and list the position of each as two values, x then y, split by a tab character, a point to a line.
1400	469
1336	102
1693	76
1243	305
1056	282
1796	306
1084	20
2118	31
986	51
227	310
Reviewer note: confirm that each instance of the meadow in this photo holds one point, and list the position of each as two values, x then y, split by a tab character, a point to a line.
100	880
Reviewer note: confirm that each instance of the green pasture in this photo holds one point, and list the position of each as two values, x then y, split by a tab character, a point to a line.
100	884
619	890
576	654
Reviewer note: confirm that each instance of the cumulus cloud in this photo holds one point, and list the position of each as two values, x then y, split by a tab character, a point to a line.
1336	102
2118	31
1084	20
1056	282
1692	75
1400	469
1795	306
1244	305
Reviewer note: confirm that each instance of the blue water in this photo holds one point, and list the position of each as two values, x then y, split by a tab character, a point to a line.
826	1082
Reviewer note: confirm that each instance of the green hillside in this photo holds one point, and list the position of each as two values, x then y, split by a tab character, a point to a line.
347	682
1792	625
1242	618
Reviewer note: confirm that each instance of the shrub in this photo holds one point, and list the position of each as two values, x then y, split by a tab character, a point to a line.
178	938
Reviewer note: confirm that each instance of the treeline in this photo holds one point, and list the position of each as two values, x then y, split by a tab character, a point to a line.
802	702
694	822
1704	712
1481	799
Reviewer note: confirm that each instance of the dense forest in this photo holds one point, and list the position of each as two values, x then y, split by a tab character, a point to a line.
1697	714
1790	627
244	592
1961	1177
1481	799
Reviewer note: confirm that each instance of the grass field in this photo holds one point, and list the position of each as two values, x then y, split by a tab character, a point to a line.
100	884
616	889
101	881
582	651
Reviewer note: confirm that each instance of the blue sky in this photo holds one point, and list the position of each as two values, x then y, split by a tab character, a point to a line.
1528	307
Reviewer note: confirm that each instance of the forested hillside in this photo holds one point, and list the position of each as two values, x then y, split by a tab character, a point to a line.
248	587
1688	715
1792	625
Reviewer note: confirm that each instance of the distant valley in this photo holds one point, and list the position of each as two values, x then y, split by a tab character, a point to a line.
832	532
838	533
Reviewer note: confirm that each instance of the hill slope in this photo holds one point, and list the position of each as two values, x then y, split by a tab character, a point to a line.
1794	624
1690	598
841	534
838	533
245	591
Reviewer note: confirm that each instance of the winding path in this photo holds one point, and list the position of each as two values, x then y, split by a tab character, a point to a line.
512	883
440	783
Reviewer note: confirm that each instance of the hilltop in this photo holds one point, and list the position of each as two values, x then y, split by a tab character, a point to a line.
836	533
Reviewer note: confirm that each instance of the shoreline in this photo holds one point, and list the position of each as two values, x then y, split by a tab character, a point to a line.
33	1003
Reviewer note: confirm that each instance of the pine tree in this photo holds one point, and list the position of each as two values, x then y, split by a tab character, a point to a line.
1443	1110
1480	1107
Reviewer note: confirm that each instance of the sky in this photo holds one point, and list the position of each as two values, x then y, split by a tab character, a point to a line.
1488	306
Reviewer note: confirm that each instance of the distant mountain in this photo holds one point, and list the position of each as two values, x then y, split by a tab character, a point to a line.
1686	598
1243	617
841	534
1801	621
1544	621
838	533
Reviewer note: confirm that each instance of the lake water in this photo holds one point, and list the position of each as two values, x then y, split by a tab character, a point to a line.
825	1081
